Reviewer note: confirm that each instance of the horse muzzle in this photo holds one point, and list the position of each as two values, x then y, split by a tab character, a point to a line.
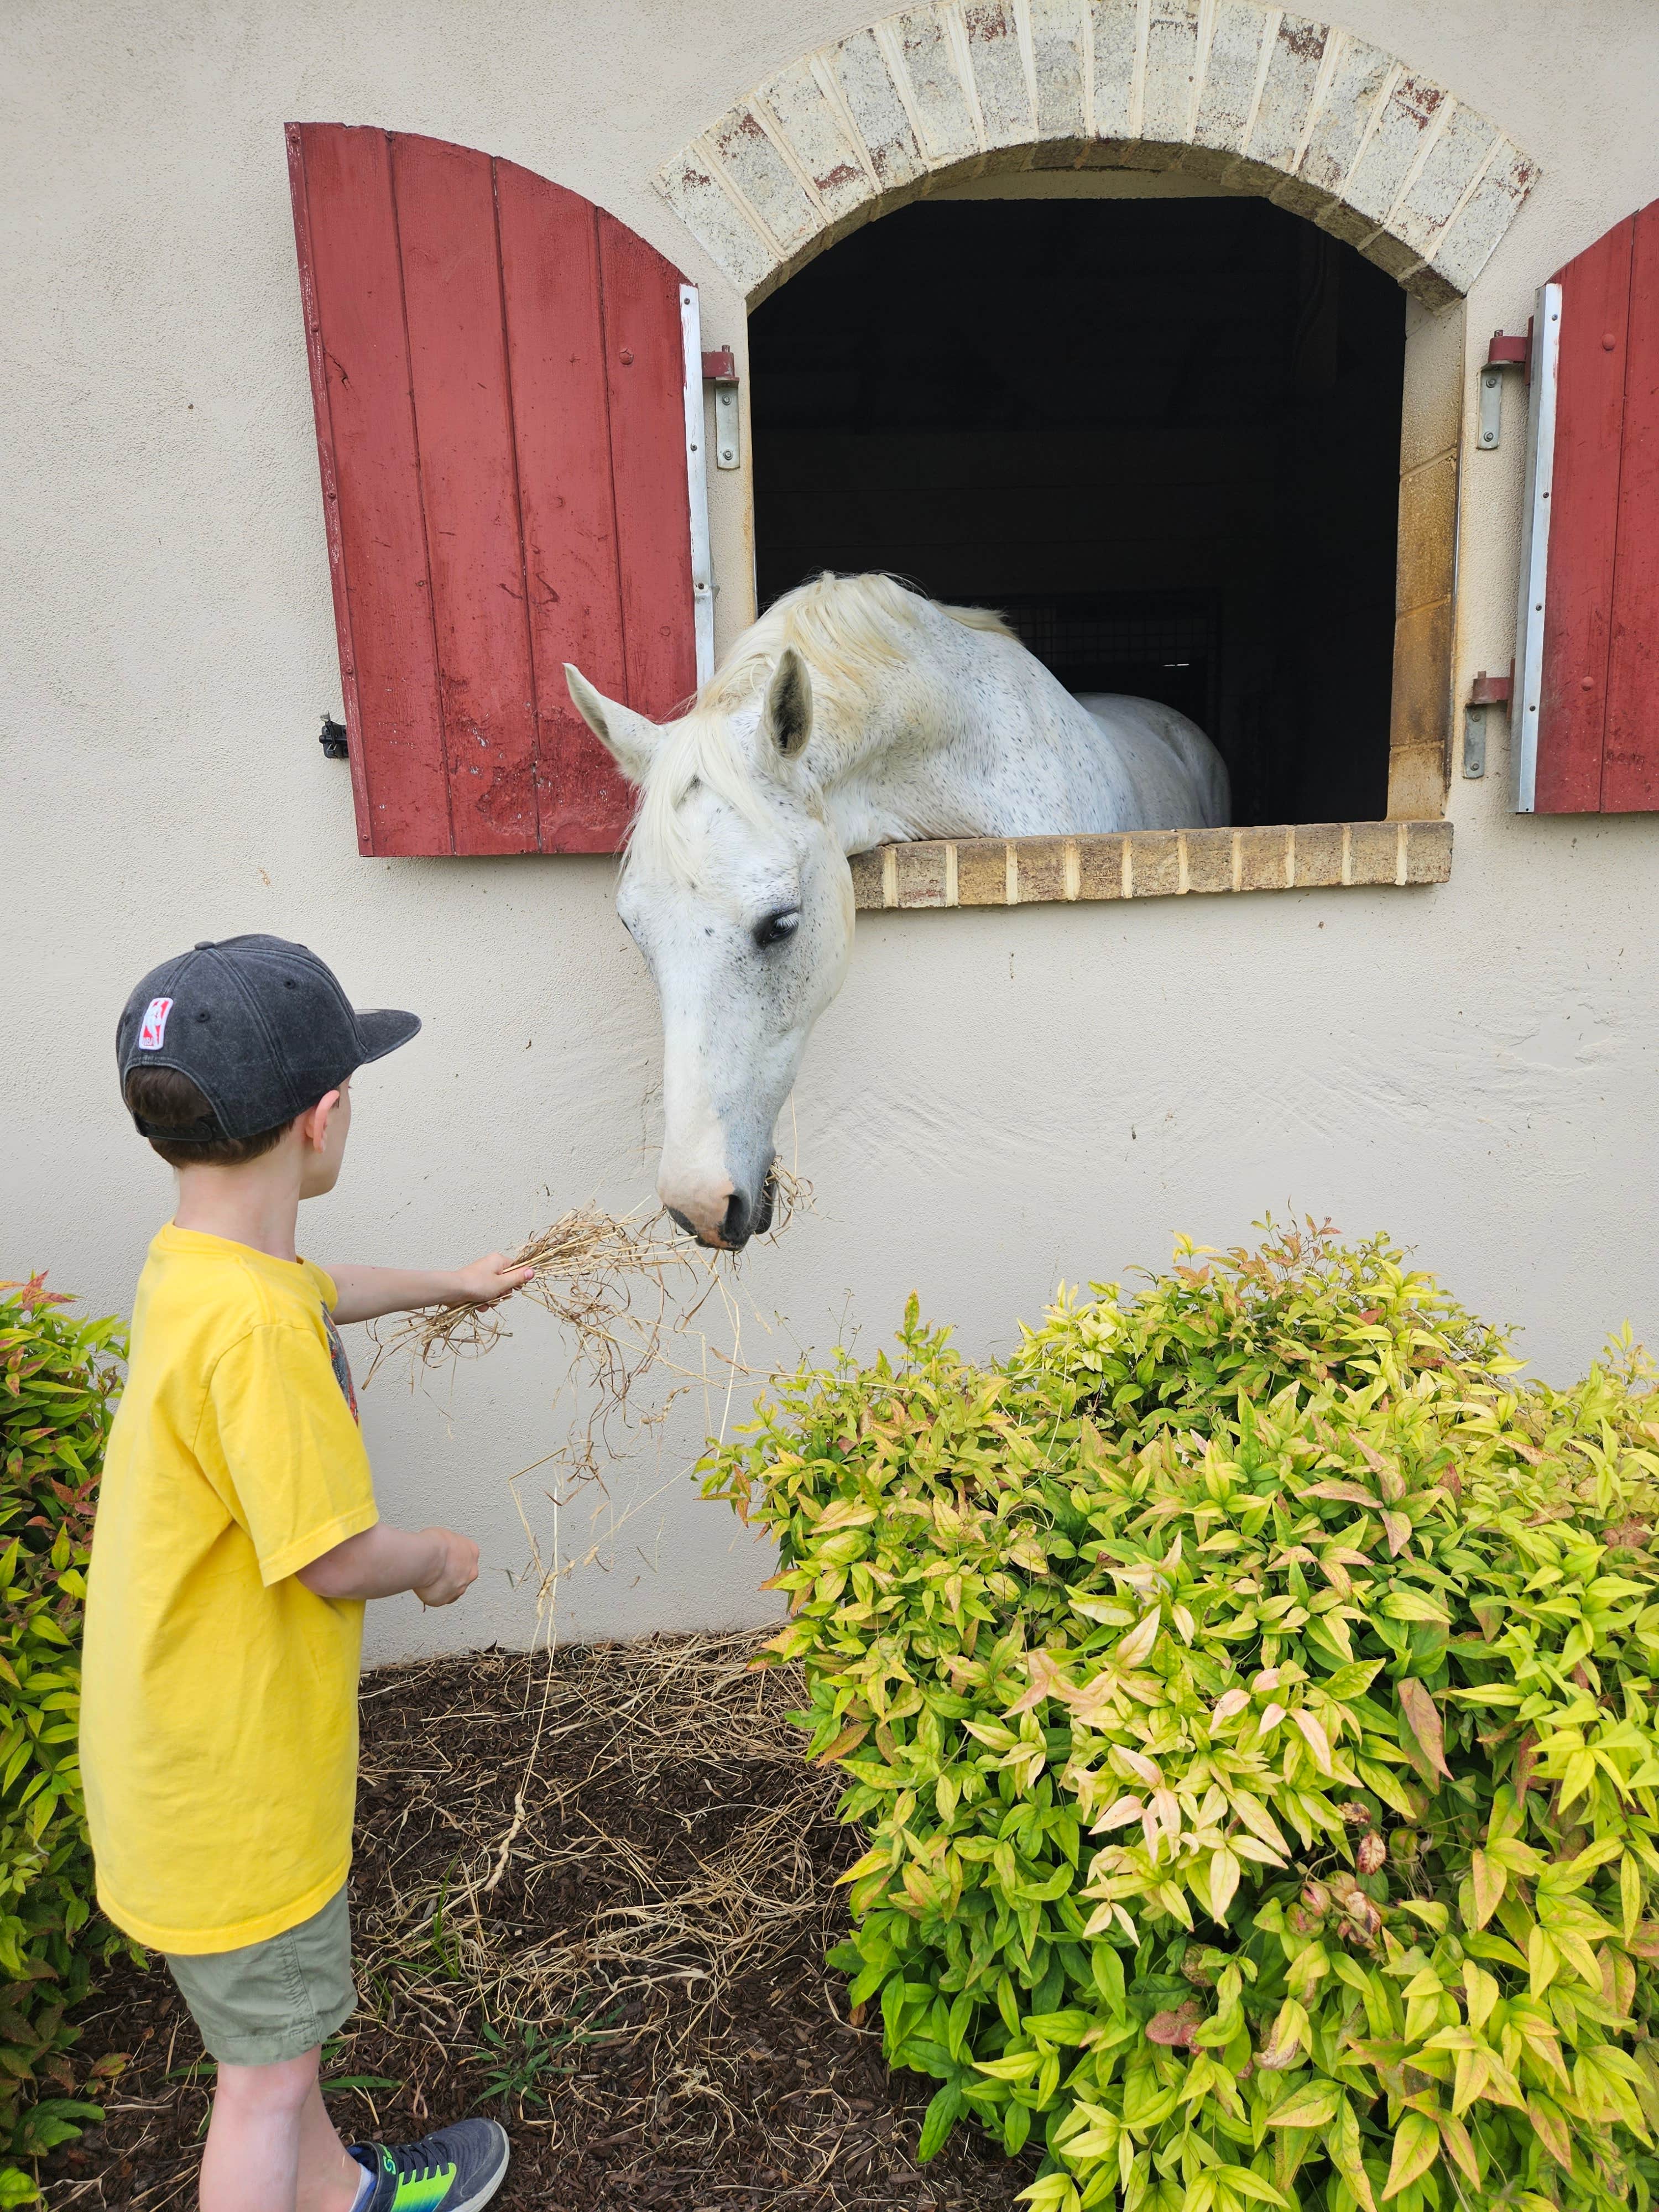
727	1222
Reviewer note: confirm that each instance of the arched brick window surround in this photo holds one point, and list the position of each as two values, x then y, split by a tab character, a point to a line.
1257	100
1261	99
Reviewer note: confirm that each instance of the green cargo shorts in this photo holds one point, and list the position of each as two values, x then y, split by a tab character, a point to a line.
274	2000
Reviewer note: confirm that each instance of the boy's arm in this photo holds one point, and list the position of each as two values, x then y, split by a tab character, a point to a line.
436	1564
366	1293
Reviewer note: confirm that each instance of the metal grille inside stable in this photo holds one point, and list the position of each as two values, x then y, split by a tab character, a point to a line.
1160	645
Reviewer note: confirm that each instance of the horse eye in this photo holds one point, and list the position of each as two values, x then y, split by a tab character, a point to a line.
777	927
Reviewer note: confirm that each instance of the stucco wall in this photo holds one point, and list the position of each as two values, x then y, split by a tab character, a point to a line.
997	1099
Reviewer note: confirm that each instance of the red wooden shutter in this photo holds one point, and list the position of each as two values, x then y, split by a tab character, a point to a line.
1587	657
499	373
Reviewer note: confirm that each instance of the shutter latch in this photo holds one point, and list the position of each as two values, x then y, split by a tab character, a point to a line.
1504	352
720	370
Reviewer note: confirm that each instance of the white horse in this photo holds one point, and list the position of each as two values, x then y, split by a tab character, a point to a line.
854	714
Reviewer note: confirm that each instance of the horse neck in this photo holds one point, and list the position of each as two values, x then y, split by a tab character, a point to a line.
906	759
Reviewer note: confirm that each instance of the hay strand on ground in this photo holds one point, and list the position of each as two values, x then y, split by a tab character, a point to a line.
591	1897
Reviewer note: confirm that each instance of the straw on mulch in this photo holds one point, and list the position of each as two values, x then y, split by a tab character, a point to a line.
592	1895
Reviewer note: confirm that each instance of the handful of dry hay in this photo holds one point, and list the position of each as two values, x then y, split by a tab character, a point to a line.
591	1269
589	1266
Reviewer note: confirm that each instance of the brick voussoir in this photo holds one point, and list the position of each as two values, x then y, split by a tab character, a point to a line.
818	142
1227	94
764	179
690	184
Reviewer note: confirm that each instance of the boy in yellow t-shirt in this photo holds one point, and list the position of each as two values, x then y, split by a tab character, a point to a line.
237	1539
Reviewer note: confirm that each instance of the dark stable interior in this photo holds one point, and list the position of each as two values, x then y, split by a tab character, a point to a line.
1162	435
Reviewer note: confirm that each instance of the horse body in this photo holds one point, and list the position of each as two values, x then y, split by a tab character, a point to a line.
854	714
970	736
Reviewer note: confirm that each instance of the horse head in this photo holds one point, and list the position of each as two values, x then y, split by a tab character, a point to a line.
738	895
929	721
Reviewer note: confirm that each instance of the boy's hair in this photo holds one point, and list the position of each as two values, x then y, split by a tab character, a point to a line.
163	1096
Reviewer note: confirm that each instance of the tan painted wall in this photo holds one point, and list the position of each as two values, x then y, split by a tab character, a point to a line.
998	1098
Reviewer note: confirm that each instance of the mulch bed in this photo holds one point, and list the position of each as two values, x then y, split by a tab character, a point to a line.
593	1896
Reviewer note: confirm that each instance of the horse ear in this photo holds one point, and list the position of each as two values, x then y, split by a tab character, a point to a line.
789	717
630	740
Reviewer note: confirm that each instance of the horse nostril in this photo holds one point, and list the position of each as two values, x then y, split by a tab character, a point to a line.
734	1229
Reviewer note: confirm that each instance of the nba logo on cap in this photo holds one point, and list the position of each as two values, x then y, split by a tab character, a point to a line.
154	1027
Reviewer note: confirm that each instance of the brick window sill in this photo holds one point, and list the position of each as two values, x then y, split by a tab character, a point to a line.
1151	864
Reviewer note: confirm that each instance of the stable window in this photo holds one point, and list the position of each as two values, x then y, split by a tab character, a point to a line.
1170	435
1161	434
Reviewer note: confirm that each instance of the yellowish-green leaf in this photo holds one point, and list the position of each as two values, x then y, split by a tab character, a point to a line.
1490	1881
1138	1644
1244	2182
1313	2105
1461	2146
1223	1882
1549	2124
1416	2147
1423	1718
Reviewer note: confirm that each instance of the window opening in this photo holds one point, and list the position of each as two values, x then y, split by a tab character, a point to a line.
1162	435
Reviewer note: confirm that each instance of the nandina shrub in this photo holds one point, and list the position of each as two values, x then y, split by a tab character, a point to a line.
1247	1692
59	1378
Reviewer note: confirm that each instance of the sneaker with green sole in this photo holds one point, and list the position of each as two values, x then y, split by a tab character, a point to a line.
456	2170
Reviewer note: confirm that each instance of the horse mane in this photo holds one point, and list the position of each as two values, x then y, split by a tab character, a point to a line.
845	628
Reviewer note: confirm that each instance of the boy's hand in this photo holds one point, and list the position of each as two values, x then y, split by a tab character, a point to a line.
493	1277
366	1293
437	1565
458	1573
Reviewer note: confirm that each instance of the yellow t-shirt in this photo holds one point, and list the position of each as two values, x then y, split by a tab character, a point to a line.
219	1695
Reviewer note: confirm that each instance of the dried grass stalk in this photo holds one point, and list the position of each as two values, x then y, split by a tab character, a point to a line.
791	1194
673	1705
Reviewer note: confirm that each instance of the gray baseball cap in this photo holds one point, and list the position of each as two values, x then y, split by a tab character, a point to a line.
261	1026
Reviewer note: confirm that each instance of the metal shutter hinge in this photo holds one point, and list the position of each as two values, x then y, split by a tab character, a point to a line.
1506	351
1486	691
720	369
